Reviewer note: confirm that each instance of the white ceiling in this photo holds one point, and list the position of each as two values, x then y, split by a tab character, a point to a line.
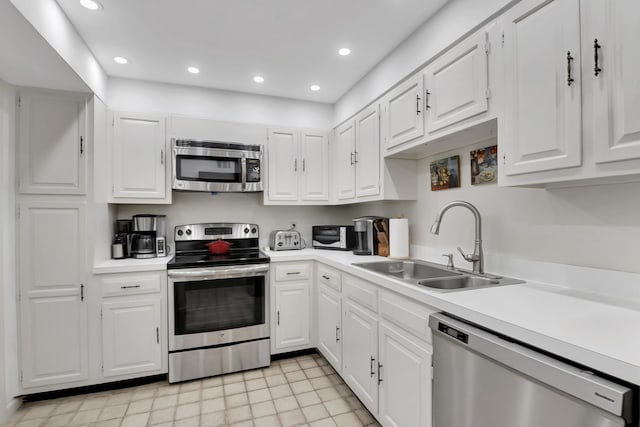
292	43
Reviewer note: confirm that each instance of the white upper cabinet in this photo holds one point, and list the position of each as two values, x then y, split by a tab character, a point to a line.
298	167
345	171
404	113
611	31
367	152
140	163
540	126
52	143
457	84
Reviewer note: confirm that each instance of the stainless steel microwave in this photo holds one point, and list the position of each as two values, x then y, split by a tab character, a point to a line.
216	166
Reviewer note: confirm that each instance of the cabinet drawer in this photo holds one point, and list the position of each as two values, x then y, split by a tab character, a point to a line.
360	291
292	271
406	313
131	283
330	277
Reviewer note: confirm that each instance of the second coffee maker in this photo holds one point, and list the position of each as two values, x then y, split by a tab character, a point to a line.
371	235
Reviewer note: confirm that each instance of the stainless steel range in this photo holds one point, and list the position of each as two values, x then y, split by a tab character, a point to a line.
218	303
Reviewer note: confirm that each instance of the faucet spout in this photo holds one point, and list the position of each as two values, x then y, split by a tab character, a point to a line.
477	258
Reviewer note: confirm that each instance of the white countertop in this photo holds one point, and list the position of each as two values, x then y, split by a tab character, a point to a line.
581	325
590	329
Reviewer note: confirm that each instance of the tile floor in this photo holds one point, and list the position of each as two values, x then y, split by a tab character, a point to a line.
300	391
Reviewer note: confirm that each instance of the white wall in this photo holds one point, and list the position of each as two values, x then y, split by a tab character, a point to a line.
447	26
9	385
150	97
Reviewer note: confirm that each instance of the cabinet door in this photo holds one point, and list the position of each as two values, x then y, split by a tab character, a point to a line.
53	308
52	143
616	93
457	84
360	353
314	180
329	326
367	154
139	156
403	112
131	337
292	315
345	172
283	164
405	379
541	129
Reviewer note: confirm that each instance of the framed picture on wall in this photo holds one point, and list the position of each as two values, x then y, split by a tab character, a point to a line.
484	165
445	173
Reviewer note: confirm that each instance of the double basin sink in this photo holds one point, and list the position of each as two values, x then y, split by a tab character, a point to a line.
435	276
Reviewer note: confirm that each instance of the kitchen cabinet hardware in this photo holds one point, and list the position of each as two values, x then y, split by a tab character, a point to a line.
304	165
373	372
379	373
162	157
278	321
426	100
596	67
355	157
352	163
418	104
295	165
157	335
81	291
326	277
129	286
337	334
292	273
82	139
570	79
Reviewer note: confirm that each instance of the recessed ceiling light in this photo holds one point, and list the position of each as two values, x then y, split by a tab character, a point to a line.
120	60
193	70
258	79
91	4
344	51
314	88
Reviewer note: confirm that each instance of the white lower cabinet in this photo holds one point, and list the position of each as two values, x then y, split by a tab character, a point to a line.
133	317
291	307
330	325
405	379
360	370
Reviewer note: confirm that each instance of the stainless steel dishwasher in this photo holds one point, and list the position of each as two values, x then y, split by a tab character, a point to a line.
482	380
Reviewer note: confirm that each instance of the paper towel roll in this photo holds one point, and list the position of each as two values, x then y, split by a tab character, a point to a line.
398	238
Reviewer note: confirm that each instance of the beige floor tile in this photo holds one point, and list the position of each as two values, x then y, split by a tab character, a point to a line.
169	424
327	422
188	422
212	392
232	378
36	422
308	398
347	420
62	420
364	416
67	407
108	423
139	406
320	382
272	370
285	404
258	396
241	413
188	397
315	412
248	423
212	382
280	391
290	366
307	363
328	393
119	399
275	380
165	401
253	374
270	421
237	400
214	420
301	386
85	417
234	388
143	394
255	384
337	406
190	386
292	418
294	376
111	412
263	409
162	416
353	402
94	403
137	420
328	370
167	390
39	411
213	405
187	411
314	372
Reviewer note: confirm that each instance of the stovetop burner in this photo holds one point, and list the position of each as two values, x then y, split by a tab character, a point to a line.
192	252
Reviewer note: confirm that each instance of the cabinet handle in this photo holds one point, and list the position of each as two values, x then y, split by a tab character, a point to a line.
352	159
295	165
326	277
596	67
418	104
337	334
379	373
304	165
162	157
292	273
158	335
373	372
355	156
426	100
129	286
81	291
569	71
278	321
82	141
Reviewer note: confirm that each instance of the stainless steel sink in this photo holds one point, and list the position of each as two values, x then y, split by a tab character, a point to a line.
435	276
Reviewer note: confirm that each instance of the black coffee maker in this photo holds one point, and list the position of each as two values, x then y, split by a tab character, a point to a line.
121	246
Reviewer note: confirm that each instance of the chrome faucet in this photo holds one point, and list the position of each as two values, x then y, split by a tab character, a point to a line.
477	258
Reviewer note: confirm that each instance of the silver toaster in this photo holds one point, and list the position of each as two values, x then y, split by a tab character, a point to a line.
285	240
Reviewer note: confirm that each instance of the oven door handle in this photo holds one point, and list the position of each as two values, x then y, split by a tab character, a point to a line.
219	272
243	164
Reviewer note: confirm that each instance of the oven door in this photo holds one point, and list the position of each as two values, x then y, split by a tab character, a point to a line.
218	305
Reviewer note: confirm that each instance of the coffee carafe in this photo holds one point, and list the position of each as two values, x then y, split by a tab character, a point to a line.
143	239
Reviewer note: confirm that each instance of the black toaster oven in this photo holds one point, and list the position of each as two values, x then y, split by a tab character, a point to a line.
335	237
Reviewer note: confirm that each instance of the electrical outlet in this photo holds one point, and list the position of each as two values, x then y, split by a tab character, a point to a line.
293	224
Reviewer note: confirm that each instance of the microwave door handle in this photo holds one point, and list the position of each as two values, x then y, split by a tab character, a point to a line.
244	173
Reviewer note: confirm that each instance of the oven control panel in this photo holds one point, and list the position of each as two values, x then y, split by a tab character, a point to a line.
215	231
